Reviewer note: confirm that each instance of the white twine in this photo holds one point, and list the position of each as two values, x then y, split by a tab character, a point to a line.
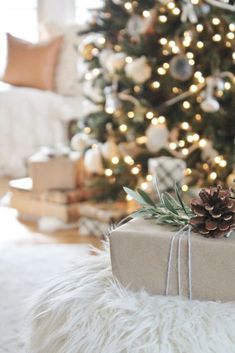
189	263
180	232
185	231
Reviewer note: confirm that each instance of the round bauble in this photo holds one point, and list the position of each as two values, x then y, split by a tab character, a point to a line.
79	142
139	70
157	137
109	149
180	69
230	181
210	105
93	161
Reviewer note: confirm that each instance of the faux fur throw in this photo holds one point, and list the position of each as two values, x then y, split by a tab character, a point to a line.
86	311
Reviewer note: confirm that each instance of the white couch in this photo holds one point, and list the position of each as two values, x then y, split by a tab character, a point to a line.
30	118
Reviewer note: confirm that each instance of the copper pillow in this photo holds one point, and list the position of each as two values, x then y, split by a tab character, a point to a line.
31	65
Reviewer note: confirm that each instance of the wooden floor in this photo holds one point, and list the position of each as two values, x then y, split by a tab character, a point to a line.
17	232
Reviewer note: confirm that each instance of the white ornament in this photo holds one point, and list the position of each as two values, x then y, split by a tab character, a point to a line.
109	149
210	105
139	70
93	161
208	152
115	62
138	25
79	142
157	137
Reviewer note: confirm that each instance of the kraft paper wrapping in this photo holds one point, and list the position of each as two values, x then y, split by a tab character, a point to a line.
139	255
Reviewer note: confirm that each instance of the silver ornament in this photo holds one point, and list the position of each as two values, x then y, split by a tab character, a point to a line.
180	69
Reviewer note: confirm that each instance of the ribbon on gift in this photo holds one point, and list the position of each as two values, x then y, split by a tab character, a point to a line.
178	236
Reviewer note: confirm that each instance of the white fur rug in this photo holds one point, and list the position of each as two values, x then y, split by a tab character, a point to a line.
85	311
23	270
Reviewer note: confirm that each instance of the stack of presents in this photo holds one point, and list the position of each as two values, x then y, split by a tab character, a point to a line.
57	188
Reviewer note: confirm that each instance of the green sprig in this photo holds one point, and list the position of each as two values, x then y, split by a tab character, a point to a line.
168	210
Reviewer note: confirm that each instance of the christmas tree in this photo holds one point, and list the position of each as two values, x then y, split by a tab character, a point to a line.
160	78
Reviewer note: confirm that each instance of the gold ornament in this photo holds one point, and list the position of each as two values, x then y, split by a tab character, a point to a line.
86	50
230	180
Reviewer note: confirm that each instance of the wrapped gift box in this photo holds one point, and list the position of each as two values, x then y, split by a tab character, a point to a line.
60	172
168	171
140	255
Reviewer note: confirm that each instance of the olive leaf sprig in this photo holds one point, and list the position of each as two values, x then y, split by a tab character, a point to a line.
168	210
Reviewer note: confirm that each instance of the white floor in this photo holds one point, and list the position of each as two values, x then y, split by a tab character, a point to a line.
23	269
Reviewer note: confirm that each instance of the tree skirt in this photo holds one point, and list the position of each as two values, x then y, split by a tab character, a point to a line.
86	311
24	269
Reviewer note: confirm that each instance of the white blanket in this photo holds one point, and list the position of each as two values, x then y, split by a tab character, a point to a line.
30	118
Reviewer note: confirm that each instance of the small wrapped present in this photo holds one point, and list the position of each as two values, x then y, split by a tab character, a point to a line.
143	257
168	171
56	170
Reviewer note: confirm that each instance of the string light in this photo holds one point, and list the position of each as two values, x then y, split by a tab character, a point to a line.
115	160
185	151
213	175
129	160
161	119
128	59
163	41
161	71
184	187
135	170
163	18
173	146
129	198
230	35
154	121
108	172
101	40
227	85
186	105
128	6
181	143
144	185
155	84
123	127
166	66
146	13
232	27
199	27
149	177
200	44
187	171
223	163
171	5
190	138
193	88
149	115
202	143
176	11
216	38
198	117
190	55
196	137
185	125
216	21
130	115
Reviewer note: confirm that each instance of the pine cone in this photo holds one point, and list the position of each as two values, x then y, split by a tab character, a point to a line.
214	212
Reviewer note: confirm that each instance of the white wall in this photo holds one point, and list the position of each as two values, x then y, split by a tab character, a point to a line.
56	11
